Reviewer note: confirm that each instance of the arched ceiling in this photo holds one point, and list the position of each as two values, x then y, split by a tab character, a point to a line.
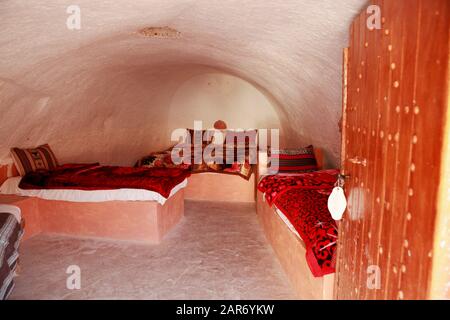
101	92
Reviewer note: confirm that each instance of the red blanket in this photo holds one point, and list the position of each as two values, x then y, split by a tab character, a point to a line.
96	177
275	185
303	200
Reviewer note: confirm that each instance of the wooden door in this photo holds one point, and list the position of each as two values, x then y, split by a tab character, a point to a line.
394	115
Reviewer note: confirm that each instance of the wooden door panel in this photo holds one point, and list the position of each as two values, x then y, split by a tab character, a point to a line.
393	124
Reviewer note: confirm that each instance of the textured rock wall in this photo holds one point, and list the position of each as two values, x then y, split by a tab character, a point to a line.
103	92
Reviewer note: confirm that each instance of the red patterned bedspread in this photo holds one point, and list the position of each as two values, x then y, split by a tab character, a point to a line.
96	177
303	200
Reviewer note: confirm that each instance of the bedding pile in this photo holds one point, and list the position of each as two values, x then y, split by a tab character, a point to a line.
96	177
10	235
237	149
302	198
163	159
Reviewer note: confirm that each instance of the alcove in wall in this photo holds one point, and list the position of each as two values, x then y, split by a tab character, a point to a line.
216	96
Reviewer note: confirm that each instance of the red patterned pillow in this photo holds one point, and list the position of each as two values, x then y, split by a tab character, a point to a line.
35	159
294	160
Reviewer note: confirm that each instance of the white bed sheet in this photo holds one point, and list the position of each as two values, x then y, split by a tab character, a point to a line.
11	186
287	222
284	218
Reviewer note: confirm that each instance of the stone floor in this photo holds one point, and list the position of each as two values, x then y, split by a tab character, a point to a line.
218	251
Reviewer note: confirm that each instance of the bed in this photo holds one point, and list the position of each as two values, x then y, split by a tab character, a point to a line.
10	236
11	186
120	203
229	181
293	248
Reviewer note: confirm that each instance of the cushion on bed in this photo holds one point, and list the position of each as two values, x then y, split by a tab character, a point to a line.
294	160
161	159
31	160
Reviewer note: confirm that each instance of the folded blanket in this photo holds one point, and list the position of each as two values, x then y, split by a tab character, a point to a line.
96	177
10	235
303	200
275	185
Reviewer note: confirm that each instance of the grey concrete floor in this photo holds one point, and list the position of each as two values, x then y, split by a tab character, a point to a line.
218	251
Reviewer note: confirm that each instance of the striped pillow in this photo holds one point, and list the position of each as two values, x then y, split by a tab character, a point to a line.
295	160
30	160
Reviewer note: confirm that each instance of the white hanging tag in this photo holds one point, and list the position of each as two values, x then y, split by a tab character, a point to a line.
337	203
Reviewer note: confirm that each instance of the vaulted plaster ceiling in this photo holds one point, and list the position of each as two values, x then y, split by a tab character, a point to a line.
103	92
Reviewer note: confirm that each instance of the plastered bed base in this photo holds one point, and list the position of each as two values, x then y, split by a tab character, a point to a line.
291	253
220	187
137	221
30	214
